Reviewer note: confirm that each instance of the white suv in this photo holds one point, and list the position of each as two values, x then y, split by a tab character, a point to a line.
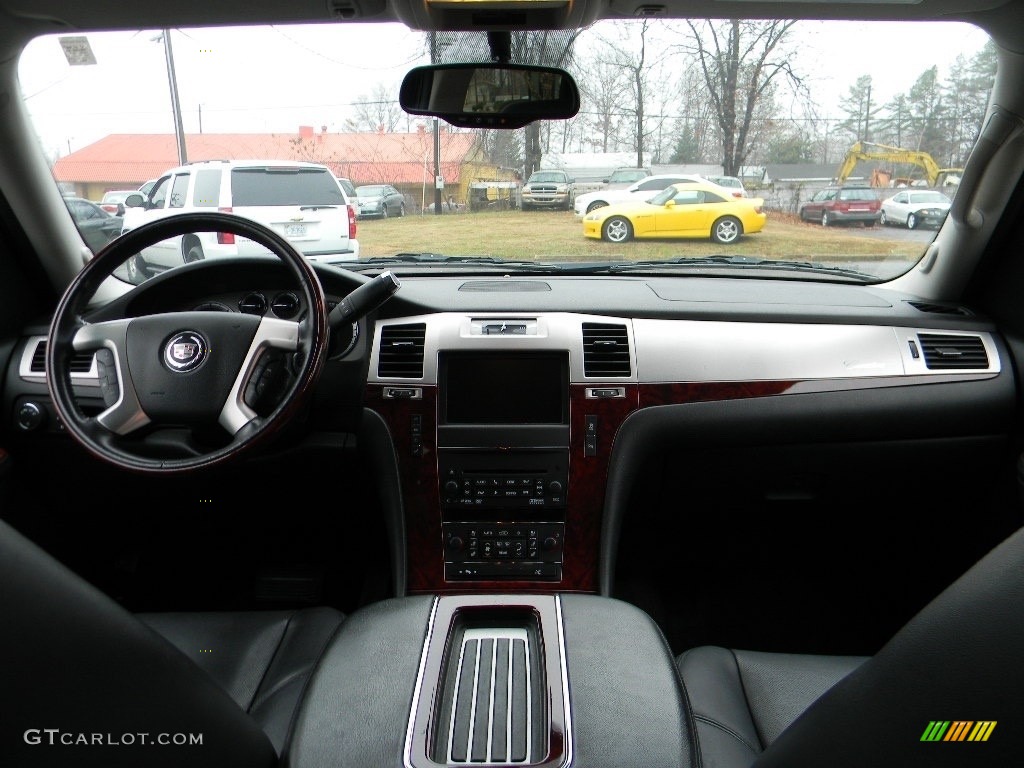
304	202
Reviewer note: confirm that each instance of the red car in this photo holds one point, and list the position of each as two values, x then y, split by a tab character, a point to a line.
843	205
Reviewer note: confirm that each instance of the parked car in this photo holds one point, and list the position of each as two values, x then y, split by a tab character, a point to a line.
914	209
147	186
349	187
843	205
733	183
496	494
549	189
624	177
688	210
301	201
113	201
379	201
96	225
646	187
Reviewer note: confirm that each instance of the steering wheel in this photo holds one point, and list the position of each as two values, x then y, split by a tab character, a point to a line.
188	371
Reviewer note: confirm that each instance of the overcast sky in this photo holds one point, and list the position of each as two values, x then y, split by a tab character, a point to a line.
233	79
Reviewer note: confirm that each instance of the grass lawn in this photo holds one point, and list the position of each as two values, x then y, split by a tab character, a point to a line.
558	236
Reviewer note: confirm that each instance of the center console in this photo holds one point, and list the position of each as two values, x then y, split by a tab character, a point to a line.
503	464
501	427
549	680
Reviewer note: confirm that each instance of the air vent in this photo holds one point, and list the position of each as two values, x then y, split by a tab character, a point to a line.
605	350
952	352
505	286
401	351
253	304
933	308
81	362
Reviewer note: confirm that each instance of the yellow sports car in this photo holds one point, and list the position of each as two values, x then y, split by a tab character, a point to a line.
681	210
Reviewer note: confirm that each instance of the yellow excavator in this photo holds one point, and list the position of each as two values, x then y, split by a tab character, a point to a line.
934	176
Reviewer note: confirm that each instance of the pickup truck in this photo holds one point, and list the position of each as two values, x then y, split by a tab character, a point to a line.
549	189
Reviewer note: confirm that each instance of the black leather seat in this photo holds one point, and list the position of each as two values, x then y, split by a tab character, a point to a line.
743	700
85	683
961	659
261	659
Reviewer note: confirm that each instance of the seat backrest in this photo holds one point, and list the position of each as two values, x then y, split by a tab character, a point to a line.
947	690
83	682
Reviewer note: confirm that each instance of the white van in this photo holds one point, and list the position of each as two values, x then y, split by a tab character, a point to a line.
303	202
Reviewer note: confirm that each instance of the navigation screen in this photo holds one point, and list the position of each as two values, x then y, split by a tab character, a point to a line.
505	388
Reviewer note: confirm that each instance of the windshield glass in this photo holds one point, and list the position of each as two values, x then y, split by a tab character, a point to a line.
827	119
626	177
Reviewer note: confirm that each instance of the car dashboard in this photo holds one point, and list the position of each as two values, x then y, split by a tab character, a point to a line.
521	417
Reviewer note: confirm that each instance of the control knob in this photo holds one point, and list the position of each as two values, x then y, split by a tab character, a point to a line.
30	416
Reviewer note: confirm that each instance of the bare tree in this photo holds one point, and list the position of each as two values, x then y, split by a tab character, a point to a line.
603	89
739	60
377	112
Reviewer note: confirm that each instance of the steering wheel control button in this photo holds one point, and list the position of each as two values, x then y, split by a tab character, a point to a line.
185	351
106	372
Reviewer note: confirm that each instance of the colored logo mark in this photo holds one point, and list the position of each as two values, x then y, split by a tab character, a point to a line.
958	730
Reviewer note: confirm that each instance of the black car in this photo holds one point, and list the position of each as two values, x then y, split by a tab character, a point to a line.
96	225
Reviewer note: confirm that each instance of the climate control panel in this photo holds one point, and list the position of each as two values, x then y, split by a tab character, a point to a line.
525	551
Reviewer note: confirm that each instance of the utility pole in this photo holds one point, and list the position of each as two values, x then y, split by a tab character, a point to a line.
867	116
437	136
179	131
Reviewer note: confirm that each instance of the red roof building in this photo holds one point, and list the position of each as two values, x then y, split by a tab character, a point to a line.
406	160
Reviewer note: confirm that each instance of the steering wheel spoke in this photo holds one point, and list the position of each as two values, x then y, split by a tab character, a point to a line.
258	372
124	413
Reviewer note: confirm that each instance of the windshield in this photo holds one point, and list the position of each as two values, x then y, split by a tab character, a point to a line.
542	176
652	102
626	177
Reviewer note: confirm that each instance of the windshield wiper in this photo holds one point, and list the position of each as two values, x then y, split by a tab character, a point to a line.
740	262
426	258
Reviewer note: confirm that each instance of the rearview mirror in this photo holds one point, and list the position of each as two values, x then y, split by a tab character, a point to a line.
490	95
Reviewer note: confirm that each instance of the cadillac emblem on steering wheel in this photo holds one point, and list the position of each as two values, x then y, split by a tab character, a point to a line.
185	351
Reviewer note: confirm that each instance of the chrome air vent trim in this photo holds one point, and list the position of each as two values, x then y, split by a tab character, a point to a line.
606	350
953	352
31	367
401	351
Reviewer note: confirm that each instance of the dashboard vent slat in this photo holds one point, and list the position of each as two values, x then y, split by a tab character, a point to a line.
944	351
505	286
80	363
401	351
606	350
934	308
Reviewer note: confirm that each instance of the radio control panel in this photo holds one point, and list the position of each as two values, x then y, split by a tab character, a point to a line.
476	482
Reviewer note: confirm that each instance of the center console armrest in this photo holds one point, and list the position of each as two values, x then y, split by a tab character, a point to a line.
356	708
628	704
541	680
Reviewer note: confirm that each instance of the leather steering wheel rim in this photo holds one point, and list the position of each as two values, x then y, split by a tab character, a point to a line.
70	332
